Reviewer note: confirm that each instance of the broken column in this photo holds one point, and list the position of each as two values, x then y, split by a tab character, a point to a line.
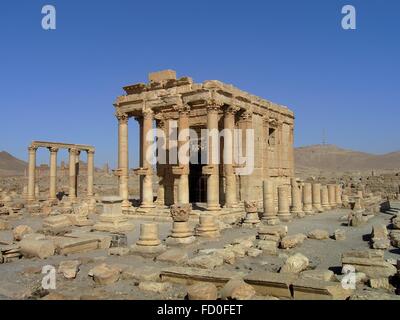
269	214
297	207
338	194
325	198
307	199
207	227
283	204
251	218
181	232
332	195
148	240
316	197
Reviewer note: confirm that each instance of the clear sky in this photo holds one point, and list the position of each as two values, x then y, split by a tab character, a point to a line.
59	85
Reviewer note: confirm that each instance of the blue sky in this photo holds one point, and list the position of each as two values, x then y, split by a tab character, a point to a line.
59	85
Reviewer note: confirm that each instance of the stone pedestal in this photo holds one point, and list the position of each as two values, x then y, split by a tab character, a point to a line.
112	219
307	199
148	242
297	208
325	198
269	214
316	197
207	227
283	204
251	219
332	195
181	234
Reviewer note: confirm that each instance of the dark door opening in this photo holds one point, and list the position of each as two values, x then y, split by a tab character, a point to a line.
197	184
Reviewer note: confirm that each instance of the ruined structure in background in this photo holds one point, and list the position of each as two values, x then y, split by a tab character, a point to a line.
208	105
74	152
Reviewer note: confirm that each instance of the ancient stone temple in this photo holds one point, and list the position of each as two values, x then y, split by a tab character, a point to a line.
170	105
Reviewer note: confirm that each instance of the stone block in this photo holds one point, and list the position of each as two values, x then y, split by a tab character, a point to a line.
271	284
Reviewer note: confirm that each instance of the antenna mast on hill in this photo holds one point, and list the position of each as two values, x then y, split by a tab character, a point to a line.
324	137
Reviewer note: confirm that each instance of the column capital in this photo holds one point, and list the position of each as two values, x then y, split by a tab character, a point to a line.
232	110
122	118
53	149
246	115
213	105
90	151
32	148
183	109
75	152
148	114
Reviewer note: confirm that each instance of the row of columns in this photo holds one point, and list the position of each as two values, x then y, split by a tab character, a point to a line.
146	171
306	199
73	161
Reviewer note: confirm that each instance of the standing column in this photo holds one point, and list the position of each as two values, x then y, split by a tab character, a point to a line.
332	195
316	197
213	177
283	204
53	174
338	194
183	159
90	173
297	207
269	214
123	159
148	116
325	198
307	199
72	174
230	178
32	174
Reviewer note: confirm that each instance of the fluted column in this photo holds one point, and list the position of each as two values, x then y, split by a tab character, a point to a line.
184	137
53	174
148	117
297	206
230	178
31	174
213	177
123	159
73	153
332	195
90	173
283	204
269	212
316	197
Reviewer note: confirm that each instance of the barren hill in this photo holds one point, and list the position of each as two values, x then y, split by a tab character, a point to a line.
333	158
10	165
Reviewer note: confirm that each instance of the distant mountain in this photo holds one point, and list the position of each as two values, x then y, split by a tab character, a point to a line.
333	158
11	166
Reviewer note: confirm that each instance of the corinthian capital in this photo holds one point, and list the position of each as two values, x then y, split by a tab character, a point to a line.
53	149
148	114
232	109
183	109
246	115
122	117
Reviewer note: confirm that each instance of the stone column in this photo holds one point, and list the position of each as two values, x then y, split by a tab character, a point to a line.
90	173
332	195
338	195
325	198
230	178
123	159
213	177
147	202
269	212
316	197
283	204
32	174
53	174
297	207
73	153
307	199
184	137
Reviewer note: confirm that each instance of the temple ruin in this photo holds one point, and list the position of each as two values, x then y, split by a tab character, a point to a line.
208	105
